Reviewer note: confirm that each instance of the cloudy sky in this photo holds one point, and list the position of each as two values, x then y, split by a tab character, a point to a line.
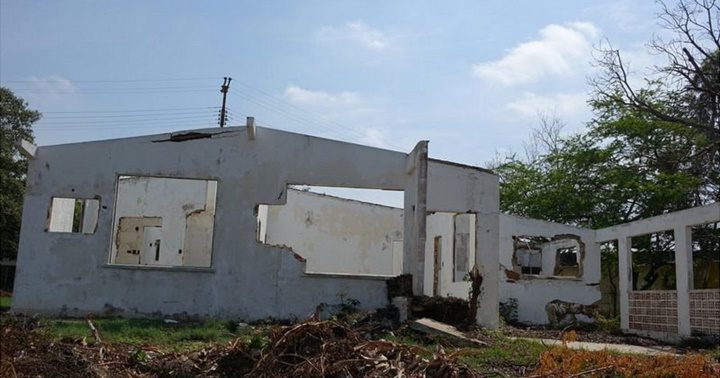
470	76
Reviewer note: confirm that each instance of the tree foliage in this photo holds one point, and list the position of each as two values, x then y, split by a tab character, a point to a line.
15	124
649	149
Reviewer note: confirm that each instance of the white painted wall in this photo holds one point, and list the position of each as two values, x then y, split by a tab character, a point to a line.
336	235
68	272
173	200
62	213
534	294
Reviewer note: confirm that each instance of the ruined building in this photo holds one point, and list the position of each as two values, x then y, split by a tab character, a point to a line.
208	223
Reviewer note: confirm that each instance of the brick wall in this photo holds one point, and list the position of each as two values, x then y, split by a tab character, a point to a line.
653	310
705	312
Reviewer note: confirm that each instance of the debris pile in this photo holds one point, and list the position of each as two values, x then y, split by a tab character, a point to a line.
310	348
330	349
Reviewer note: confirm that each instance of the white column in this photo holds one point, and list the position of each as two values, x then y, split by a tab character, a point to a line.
487	258
624	280
683	277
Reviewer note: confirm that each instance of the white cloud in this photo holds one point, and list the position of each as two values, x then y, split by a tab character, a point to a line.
558	51
48	93
301	96
567	105
52	85
358	32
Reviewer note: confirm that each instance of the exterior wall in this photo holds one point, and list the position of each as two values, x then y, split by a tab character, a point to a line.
337	235
68	272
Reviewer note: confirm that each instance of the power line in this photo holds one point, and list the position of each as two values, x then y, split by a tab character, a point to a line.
131	110
116	121
330	127
116	81
100	92
132	115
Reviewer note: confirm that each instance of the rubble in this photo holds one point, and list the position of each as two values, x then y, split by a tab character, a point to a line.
431	327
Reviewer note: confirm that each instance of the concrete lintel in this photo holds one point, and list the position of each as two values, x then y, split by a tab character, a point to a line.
27	149
250	122
688	217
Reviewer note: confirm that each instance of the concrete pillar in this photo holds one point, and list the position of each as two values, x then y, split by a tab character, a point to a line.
683	277
415	216
624	280
487	258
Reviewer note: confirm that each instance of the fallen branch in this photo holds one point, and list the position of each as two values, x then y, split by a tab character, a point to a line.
583	373
94	330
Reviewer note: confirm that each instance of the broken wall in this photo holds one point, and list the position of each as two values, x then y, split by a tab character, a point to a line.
337	235
534	292
457	188
69	272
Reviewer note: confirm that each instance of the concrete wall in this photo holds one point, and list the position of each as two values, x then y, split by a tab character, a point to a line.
186	211
457	188
533	293
337	235
68	272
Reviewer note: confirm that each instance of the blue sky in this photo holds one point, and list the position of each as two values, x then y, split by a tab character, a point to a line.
470	76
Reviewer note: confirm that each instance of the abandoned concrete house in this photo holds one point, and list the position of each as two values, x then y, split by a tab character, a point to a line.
209	222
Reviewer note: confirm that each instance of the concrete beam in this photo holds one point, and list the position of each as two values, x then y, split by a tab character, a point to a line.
688	217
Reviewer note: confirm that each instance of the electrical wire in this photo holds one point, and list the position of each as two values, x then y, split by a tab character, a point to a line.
119	81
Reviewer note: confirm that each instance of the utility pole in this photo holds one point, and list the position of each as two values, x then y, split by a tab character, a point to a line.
224	90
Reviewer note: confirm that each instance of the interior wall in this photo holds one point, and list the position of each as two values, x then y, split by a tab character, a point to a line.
337	235
458	188
182	207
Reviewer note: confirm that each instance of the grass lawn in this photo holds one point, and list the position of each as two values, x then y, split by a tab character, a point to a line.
5	301
150	332
501	355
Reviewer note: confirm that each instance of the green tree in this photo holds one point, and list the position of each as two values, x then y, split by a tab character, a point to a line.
650	149
15	124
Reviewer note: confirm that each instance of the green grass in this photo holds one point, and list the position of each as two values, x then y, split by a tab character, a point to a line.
166	337
505	353
5	301
715	353
502	353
